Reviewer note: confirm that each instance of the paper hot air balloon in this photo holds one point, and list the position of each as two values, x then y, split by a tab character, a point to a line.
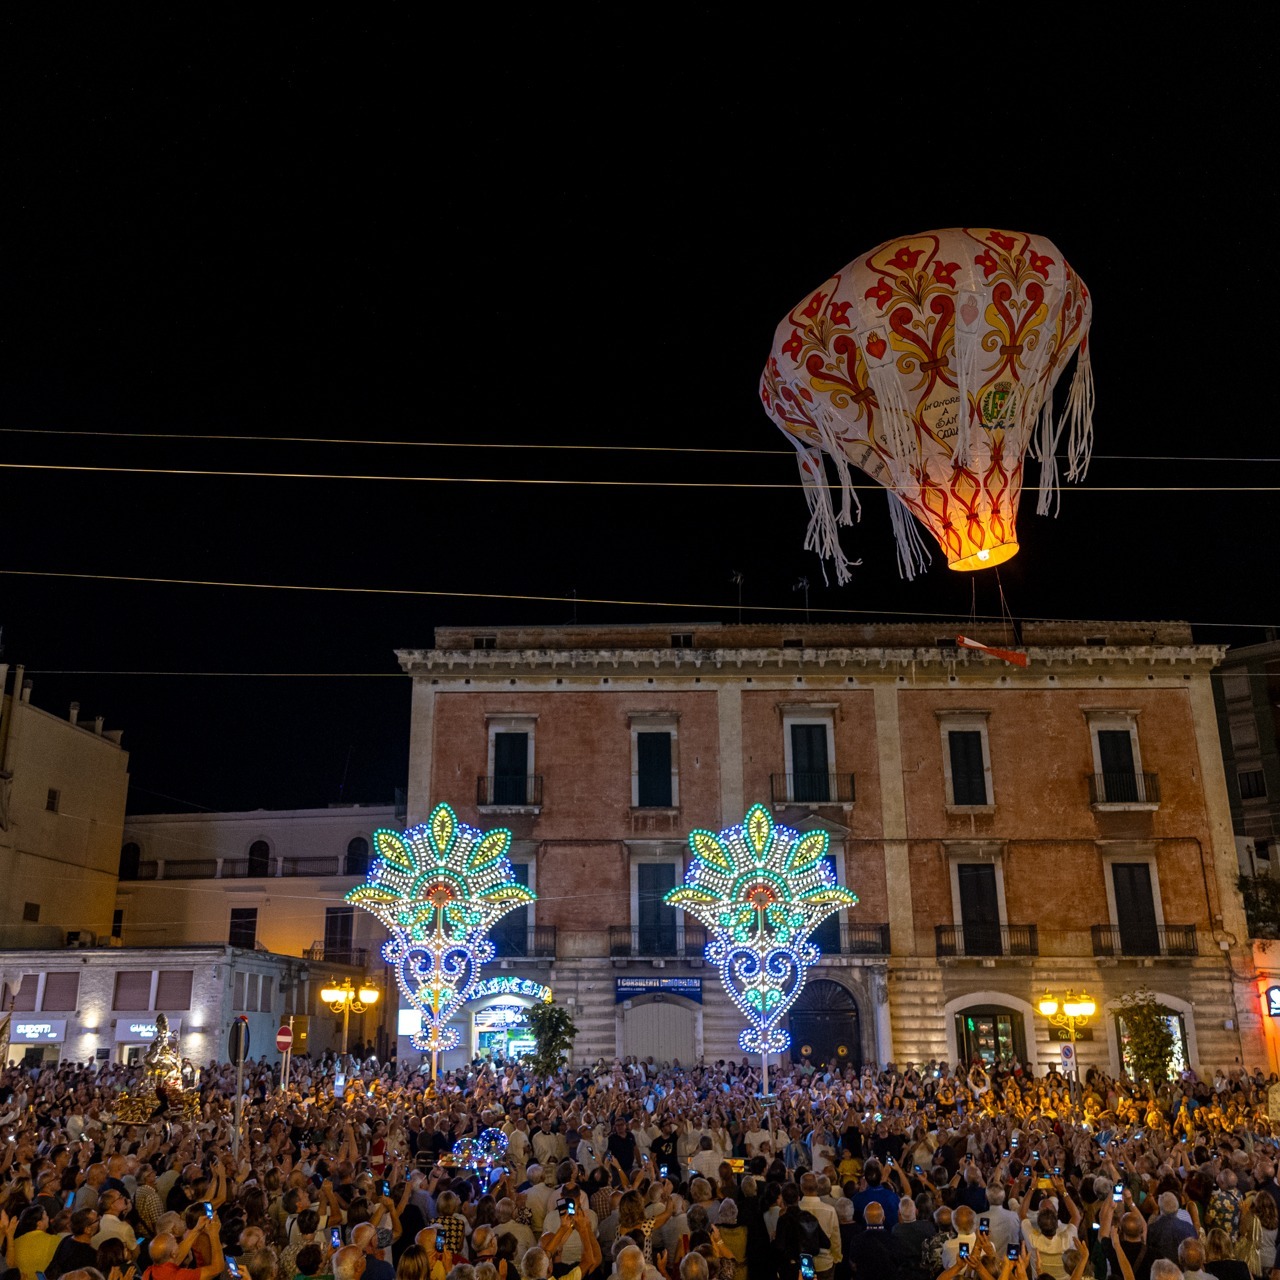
930	364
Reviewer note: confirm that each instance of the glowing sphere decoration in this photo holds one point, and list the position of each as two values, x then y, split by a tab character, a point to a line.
481	1152
439	888
761	890
930	363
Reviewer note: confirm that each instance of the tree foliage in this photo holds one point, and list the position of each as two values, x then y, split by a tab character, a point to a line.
553	1035
1150	1038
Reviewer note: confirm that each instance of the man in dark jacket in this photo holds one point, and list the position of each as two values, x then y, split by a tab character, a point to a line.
74	1252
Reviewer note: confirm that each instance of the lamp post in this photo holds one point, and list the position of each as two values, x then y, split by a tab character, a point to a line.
1071	1013
346	1000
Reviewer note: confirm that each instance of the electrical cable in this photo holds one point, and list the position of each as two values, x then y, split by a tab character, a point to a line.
550	599
551	481
481	444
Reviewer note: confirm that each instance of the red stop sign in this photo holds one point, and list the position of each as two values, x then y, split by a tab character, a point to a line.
284	1039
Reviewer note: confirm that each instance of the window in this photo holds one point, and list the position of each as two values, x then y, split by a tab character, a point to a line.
173	989
117	923
31	912
510	762
268	992
992	1033
357	859
511	933
979	908
827	935
130	856
133	990
52	800
809	747
682	640
484	642
1117	764
244	927
339	929
655	920
1135	908
238	992
966	759
251	987
61	992
22	994
655	782
968	775
1253	784
259	858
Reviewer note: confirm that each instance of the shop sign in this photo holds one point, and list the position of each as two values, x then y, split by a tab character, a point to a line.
1273	1002
50	1031
631	988
141	1028
1060	1035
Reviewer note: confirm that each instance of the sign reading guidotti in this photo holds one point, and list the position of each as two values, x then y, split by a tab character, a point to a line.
141	1028
49	1031
631	988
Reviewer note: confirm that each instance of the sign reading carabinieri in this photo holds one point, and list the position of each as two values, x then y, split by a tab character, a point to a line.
629	988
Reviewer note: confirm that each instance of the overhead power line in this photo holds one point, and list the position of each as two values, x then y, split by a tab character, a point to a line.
521	445
552	481
563	599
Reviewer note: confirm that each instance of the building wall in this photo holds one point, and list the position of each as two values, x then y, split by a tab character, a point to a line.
887	694
95	1030
62	797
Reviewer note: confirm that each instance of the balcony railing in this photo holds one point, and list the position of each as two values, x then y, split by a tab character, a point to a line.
864	939
658	941
986	940
1163	940
1124	788
357	957
517	790
537	941
812	788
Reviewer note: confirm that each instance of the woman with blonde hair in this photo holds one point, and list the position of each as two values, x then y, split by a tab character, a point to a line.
414	1264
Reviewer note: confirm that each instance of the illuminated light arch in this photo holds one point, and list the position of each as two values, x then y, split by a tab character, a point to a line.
761	890
439	888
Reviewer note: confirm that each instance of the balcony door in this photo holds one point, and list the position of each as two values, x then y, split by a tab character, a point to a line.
810	766
827	934
510	768
979	908
1119	777
511	934
339	930
655	921
1135	909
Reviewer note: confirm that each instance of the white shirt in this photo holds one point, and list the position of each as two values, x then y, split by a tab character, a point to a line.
571	1250
828	1221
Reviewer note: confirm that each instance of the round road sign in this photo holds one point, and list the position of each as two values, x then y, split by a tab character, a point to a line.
284	1039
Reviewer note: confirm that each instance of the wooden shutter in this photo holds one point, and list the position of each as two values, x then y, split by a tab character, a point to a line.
173	990
653	767
61	992
133	990
968	777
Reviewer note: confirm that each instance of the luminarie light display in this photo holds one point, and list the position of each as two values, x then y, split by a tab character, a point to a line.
761	890
439	888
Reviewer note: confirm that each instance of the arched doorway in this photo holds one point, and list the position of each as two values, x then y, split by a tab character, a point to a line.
992	1033
825	1025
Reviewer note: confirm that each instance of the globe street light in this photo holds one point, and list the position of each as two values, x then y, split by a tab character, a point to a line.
347	1000
1071	1013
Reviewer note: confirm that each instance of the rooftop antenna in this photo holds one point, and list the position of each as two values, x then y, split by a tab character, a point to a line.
803	585
737	579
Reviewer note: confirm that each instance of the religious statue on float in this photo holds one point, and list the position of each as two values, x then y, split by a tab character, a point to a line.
160	1092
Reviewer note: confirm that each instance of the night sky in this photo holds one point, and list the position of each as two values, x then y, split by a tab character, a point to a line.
504	231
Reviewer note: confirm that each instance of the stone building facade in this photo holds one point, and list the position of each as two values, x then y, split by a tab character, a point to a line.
1007	830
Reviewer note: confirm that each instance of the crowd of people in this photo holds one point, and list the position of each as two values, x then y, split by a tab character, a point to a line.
632	1170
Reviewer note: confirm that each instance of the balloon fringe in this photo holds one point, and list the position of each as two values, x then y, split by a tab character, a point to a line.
913	553
1078	416
1047	451
848	495
822	535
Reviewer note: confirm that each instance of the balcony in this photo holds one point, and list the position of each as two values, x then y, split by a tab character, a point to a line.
812	788
509	791
1165	940
657	942
245	869
538	941
1124	790
961	941
356	957
864	939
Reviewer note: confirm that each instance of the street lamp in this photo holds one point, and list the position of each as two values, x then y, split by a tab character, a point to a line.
347	1000
1071	1013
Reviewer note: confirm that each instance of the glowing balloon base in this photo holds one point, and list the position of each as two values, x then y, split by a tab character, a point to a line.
983	557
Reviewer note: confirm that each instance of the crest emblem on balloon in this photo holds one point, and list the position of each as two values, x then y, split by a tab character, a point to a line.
930	364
